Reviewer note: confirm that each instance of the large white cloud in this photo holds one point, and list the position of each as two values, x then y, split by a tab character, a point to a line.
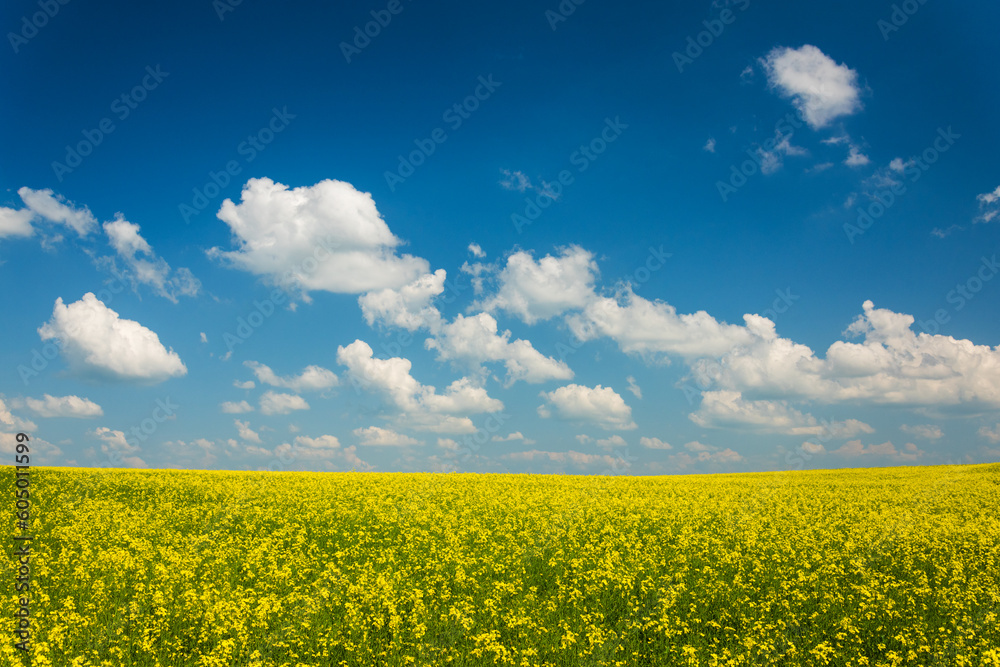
420	406
144	265
64	406
95	340
599	405
642	326
475	340
312	378
538	290
820	88
328	236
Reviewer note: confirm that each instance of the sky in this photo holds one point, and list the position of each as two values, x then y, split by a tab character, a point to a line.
557	237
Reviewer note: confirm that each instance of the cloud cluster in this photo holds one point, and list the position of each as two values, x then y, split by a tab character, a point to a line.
598	405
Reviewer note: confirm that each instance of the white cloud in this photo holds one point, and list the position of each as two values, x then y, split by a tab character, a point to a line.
15	222
114	441
42	451
728	409
312	378
408	307
475	340
989	205
448	443
611	442
633	387
322	442
95	340
819	88
925	431
709	145
203	337
274	403
233	408
576	459
53	208
599	405
14	422
654	443
540	290
519	182
476	250
510	437
383	437
328	236
249	384
991	434
854	450
642	326
246	433
702	453
420	406
144	265
64	406
856	158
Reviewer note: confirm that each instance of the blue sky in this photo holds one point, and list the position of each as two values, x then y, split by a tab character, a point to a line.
640	238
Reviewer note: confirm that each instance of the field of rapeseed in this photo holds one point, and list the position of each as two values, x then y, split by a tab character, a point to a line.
897	566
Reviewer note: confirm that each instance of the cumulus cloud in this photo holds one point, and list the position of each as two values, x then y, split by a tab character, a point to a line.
246	433
598	405
475	340
991	434
856	158
728	409
642	326
144	266
476	250
312	378
374	436
274	403
420	406
925	431
15	222
328	236
538	290
95	340
819	88
654	443
53	208
13	422
408	307
64	406
114	441
233	408
611	442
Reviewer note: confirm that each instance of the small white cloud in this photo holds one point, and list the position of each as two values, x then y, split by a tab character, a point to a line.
709	145
925	431
14	422
232	408
819	88
856	158
246	433
144	266
249	384
64	406
611	442
991	434
204	338
633	387
374	436
599	405
96	340
53	208
476	250
989	205
273	403
312	378
654	443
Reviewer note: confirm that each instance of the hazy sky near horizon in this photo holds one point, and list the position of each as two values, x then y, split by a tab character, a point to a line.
580	237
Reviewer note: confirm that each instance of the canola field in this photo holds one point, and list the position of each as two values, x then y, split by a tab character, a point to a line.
892	566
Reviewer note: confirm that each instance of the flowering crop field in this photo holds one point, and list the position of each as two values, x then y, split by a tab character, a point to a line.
891	566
